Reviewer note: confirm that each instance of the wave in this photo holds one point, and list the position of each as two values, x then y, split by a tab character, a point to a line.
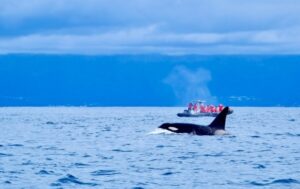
159	131
278	181
70	179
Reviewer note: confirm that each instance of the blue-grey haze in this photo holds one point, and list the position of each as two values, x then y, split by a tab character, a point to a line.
148	80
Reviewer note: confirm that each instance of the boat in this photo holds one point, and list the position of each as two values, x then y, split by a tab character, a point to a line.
187	113
191	113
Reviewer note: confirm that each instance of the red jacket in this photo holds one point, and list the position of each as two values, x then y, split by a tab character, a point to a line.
195	107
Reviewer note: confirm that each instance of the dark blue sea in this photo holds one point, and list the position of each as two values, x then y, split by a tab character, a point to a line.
87	147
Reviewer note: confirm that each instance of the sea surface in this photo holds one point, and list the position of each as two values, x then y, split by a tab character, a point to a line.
115	147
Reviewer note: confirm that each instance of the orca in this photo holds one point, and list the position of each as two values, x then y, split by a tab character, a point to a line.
217	126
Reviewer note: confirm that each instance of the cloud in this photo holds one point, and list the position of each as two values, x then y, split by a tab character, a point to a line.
150	26
150	39
190	84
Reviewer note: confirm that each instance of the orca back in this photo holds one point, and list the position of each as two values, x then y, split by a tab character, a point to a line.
187	128
219	121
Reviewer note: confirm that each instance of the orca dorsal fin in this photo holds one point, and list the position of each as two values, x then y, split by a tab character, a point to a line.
219	121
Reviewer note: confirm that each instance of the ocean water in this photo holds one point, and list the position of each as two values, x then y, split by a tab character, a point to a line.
84	147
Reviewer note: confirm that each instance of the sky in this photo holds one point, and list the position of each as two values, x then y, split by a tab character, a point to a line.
149	52
170	27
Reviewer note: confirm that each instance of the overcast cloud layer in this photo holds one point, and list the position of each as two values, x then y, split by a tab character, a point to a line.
150	26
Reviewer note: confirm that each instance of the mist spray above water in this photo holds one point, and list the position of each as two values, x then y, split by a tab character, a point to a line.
190	85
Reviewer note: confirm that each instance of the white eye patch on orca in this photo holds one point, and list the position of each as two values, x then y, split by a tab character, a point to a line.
220	132
173	128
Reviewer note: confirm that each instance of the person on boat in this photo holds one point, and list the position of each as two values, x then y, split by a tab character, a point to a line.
213	109
195	108
210	108
190	106
207	109
221	107
202	108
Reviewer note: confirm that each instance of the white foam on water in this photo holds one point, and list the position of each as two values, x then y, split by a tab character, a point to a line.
160	131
